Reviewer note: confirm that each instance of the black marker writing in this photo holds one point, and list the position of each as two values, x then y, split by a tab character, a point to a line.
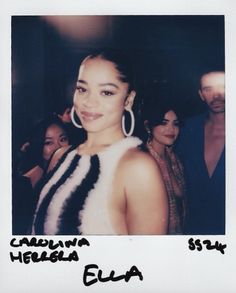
198	244
54	256
51	244
98	276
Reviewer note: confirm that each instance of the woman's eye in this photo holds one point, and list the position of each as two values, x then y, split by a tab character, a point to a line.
107	93
163	123
80	89
47	143
176	123
64	139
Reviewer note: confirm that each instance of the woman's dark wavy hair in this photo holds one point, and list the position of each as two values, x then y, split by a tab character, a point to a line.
121	60
154	113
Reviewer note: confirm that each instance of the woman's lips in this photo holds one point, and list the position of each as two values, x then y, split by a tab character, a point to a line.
88	116
170	136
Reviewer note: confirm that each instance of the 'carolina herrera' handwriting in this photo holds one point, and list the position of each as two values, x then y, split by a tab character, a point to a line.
45	256
51	244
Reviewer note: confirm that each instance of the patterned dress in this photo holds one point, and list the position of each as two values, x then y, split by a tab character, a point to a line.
172	173
73	198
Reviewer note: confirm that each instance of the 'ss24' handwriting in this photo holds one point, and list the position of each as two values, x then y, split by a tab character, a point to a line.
200	244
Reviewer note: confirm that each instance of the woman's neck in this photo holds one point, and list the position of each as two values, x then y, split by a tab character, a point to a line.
96	142
158	148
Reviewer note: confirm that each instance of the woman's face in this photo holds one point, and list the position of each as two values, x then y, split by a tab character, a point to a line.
100	96
167	132
55	137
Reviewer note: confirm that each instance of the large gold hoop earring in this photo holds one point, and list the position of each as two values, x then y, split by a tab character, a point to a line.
132	123
72	112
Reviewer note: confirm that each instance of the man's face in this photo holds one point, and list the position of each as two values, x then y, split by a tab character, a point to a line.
212	91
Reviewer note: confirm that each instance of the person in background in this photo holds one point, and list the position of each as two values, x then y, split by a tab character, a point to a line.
201	147
65	115
49	135
106	185
162	125
63	112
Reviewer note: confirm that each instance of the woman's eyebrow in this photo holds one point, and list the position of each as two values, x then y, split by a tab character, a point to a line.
63	134
101	84
109	84
82	81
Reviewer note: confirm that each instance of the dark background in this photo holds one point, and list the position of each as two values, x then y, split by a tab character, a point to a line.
169	52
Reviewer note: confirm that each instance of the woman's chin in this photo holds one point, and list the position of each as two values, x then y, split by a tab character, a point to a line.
91	128
170	145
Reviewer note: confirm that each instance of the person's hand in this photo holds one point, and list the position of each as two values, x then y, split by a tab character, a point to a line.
65	117
24	147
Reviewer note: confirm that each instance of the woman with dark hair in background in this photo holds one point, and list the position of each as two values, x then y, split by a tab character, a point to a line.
48	136
106	185
162	125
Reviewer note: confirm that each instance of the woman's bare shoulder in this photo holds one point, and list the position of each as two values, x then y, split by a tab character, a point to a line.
144	192
56	157
136	159
138	167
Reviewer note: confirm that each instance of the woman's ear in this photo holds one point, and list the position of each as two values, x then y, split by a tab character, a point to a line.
130	100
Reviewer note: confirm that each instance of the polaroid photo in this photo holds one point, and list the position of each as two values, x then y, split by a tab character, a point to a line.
59	229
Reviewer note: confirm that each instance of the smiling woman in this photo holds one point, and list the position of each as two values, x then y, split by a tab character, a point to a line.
47	136
106	185
162	124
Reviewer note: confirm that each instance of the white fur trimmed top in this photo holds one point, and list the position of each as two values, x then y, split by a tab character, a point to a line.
74	195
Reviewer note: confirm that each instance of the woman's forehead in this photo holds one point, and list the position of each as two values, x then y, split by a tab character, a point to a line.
54	128
98	69
170	114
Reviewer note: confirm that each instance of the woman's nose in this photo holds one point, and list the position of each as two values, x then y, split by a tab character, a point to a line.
171	127
90	100
57	145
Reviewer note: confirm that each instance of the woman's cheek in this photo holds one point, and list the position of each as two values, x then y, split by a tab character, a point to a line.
176	133
46	152
76	98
